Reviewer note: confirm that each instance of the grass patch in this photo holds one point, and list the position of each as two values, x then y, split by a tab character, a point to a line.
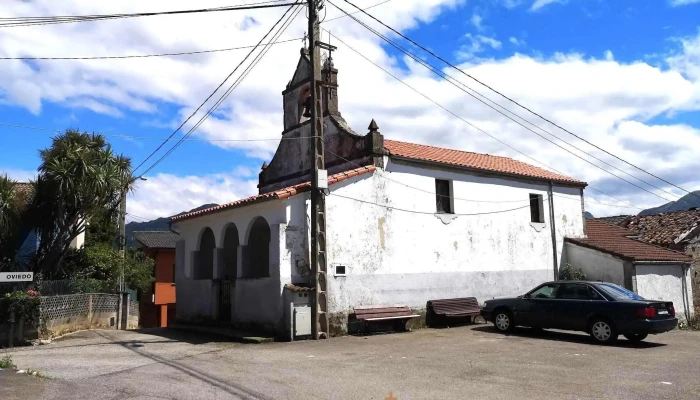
6	363
36	373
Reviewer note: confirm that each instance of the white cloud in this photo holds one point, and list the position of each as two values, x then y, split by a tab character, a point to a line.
19	175
539	4
608	102
167	194
683	2
477	21
477	44
516	42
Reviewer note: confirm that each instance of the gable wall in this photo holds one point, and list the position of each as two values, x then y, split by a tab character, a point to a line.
393	256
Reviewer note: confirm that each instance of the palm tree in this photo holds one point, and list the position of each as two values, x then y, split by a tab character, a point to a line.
79	176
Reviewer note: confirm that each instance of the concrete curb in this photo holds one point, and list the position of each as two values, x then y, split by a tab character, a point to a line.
231	334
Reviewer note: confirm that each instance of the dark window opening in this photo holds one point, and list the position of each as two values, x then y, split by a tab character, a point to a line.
443	196
340	269
536	208
574	291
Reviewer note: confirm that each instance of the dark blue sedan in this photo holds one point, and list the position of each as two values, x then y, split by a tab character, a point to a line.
604	310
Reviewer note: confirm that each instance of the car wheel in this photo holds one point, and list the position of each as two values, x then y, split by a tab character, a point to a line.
603	331
636	337
503	321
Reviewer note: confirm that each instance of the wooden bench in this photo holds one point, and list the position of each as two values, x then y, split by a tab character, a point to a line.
455	308
399	314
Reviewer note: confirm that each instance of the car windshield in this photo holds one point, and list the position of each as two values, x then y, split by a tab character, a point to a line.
618	292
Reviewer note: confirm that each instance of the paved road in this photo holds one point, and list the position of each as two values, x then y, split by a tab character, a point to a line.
456	363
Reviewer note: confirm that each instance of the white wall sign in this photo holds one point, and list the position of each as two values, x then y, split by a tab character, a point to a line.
16	276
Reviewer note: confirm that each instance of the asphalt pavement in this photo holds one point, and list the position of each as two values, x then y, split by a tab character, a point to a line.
470	362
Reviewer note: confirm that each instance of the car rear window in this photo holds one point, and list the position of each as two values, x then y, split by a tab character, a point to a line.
618	292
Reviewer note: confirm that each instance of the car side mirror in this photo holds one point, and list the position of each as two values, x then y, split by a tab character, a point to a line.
525	296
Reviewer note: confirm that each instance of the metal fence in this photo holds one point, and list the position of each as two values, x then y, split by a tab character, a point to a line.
77	305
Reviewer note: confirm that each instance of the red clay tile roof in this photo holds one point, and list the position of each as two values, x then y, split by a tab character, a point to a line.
665	228
614	240
278	194
485	162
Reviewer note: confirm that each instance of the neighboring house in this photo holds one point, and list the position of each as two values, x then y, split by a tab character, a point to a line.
402	225
679	230
613	254
30	239
157	305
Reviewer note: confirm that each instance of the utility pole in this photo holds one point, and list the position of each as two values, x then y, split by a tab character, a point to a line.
319	309
121	239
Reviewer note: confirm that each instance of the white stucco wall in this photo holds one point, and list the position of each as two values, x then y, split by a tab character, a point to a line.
665	282
398	257
255	300
597	266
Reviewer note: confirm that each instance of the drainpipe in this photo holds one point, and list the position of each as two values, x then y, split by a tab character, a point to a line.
684	286
550	194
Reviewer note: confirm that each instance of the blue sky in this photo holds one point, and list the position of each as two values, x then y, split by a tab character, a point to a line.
610	52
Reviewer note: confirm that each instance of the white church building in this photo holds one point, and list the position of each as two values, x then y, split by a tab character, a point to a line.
406	223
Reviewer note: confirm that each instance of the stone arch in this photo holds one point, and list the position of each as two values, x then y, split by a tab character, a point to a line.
258	249
230	244
205	255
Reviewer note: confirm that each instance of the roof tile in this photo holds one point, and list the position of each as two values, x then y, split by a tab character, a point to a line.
478	161
157	239
277	194
617	241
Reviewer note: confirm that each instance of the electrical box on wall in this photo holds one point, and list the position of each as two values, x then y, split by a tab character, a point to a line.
322	179
301	298
302	321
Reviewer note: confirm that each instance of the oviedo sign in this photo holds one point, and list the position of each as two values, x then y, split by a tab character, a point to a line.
16	276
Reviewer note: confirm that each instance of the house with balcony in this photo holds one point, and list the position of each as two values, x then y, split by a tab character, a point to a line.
157	305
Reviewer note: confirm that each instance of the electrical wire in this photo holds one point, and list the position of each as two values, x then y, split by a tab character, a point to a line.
236	83
355	12
214	92
383	176
162	138
51	20
184	53
509	99
450	80
462	119
427	212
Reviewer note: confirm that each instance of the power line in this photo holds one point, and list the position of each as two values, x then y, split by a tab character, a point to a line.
511	100
381	175
366	8
50	20
184	53
235	84
450	80
427	212
163	138
214	92
460	118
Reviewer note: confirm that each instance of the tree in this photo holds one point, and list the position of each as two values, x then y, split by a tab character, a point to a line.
79	177
569	273
13	207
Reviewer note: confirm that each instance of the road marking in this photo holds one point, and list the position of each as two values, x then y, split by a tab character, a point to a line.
667	383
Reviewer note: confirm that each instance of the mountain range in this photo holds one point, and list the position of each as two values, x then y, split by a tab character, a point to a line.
158	224
684	203
162	224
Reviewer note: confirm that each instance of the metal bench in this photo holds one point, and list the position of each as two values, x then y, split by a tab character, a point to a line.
399	314
455	308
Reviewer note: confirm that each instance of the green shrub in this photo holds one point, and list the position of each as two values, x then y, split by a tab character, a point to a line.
6	363
569	273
